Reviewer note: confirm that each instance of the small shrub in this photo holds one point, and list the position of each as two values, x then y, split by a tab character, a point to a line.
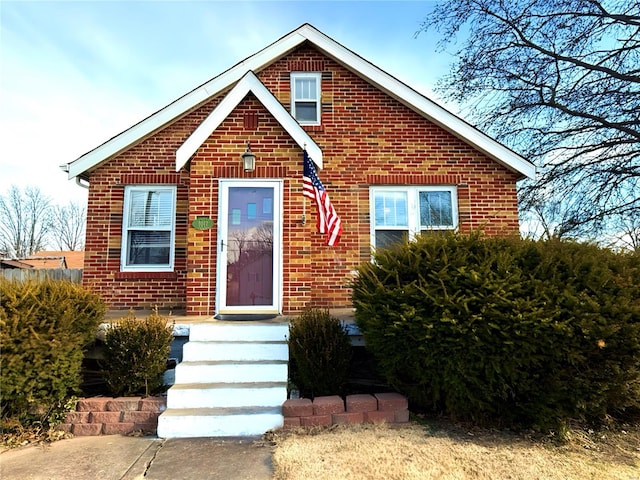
44	327
135	354
320	351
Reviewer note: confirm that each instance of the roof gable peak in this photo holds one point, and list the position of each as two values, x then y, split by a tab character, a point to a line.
249	83
264	57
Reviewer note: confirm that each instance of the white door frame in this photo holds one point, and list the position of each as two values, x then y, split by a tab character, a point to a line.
221	306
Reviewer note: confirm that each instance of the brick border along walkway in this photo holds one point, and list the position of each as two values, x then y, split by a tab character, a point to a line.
332	410
124	415
111	416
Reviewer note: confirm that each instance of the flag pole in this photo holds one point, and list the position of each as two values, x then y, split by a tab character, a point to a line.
303	220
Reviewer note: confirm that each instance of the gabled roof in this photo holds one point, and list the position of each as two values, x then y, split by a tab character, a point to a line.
256	62
248	83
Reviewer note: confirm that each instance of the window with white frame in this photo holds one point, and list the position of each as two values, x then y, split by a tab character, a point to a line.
305	98
404	212
148	229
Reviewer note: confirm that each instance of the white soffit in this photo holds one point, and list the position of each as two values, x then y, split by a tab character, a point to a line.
350	60
248	83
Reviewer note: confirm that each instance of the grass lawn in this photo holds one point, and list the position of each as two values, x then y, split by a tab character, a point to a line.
444	451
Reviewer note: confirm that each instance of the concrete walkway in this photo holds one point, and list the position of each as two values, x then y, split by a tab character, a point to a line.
116	457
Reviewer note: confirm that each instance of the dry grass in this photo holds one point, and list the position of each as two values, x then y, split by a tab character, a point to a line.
417	452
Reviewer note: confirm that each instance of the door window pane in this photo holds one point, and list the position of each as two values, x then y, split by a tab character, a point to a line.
249	247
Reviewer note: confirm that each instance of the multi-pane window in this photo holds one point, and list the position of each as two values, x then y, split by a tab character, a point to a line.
148	230
403	212
305	98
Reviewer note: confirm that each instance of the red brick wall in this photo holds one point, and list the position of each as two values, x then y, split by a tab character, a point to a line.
367	138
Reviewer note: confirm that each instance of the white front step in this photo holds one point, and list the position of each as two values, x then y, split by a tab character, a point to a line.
232	381
218	422
230	372
239	332
194	351
203	395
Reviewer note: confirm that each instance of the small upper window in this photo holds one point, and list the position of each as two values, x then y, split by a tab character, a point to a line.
148	231
305	98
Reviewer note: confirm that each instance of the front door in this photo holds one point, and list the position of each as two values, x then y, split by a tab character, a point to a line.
249	247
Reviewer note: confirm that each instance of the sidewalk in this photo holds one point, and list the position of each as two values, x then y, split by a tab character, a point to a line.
115	457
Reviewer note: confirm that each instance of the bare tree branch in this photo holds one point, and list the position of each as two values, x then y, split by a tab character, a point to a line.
25	221
69	222
558	81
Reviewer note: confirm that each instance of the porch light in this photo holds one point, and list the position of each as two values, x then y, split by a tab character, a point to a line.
248	159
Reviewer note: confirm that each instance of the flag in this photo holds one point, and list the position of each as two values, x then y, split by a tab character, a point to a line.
328	221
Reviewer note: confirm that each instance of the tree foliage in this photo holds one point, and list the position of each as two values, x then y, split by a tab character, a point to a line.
30	222
25	221
559	82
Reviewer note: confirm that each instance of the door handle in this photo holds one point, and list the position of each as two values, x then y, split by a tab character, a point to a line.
222	245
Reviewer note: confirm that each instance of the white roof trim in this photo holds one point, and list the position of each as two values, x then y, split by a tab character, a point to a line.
248	83
400	91
419	103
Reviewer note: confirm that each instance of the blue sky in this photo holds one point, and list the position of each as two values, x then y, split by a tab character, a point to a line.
74	74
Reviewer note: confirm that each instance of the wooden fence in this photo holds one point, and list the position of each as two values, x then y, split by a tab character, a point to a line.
70	274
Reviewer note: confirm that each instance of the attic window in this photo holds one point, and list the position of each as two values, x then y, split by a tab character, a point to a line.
305	98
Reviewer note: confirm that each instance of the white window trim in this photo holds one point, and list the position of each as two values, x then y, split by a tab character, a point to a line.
413	206
318	77
125	230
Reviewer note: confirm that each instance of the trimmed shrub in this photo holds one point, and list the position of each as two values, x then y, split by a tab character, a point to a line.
319	351
44	327
505	330
136	353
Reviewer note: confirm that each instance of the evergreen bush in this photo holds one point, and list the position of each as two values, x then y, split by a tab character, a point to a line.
319	351
136	353
44	327
505	330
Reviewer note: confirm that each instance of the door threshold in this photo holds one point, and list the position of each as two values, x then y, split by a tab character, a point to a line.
244	317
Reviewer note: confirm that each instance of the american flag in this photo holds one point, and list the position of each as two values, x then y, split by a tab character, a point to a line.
328	221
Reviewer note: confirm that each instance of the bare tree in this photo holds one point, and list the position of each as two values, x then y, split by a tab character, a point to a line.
559	82
69	223
25	221
626	233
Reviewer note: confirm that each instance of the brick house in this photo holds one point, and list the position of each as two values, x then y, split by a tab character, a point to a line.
174	220
201	207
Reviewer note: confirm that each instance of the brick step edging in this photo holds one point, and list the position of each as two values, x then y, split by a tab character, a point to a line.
114	416
333	410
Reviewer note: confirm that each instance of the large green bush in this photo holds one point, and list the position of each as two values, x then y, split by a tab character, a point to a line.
136	353
508	330
44	327
320	351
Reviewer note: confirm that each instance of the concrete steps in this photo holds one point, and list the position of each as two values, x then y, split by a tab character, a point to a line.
232	381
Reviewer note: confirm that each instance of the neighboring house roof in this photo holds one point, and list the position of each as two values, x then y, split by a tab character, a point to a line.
348	59
55	259
248	83
6	263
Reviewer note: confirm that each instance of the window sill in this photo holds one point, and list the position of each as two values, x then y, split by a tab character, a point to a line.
146	275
